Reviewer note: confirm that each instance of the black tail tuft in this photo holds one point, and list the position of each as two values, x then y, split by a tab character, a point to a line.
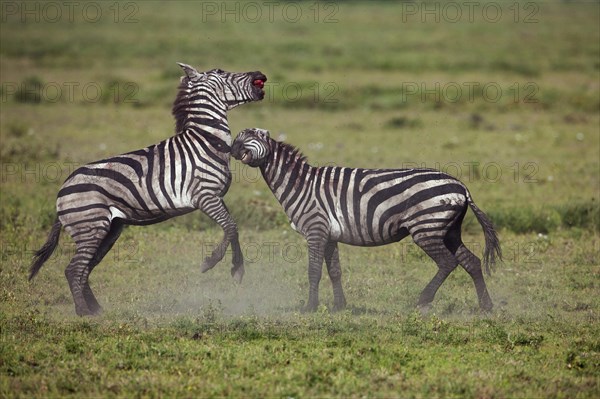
42	254
492	251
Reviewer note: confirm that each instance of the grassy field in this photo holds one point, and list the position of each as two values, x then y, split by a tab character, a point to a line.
506	100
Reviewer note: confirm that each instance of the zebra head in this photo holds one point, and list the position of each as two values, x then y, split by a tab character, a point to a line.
228	88
251	146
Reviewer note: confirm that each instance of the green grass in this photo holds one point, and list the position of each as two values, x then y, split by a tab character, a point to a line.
186	333
355	92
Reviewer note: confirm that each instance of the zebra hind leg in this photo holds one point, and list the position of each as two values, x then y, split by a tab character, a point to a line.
105	246
446	263
471	263
214	208
332	260
88	240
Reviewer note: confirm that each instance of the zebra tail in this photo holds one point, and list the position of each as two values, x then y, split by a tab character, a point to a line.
42	254
492	251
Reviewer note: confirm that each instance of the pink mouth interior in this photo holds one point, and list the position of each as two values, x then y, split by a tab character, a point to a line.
259	83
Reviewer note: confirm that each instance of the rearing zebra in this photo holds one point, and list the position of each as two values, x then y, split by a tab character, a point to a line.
183	173
369	207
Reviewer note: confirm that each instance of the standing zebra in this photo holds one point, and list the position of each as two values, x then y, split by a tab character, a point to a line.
183	173
369	207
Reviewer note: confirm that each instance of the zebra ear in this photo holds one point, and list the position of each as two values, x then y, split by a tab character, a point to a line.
264	133
190	71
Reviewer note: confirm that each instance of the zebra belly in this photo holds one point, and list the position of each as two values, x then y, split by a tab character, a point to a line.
157	219
362	238
398	236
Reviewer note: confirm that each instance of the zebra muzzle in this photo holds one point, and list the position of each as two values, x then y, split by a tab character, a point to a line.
259	84
240	153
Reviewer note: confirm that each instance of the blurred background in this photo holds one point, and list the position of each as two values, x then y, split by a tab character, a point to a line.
503	95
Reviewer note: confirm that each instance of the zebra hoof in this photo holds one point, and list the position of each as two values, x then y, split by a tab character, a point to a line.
207	265
338	307
237	273
486	307
424	308
93	305
310	307
82	311
95	311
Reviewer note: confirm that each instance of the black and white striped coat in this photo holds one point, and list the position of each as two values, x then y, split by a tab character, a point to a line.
183	173
369	207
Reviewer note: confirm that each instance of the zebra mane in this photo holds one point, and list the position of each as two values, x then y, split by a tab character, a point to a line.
180	103
290	149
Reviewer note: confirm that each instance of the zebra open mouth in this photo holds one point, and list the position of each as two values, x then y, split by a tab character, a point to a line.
259	83
245	157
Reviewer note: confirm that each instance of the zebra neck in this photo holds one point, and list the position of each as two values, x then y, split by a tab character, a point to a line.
219	140
219	128
286	171
197	107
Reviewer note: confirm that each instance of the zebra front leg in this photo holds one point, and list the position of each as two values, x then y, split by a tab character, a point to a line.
237	271
332	260
316	251
215	208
